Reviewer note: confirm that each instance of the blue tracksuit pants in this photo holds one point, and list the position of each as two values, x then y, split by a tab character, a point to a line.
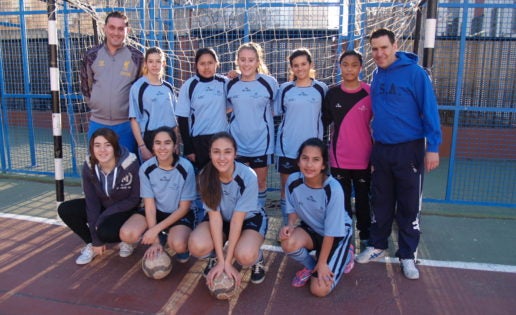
397	185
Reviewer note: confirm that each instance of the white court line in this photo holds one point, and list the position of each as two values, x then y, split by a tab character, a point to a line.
273	248
31	218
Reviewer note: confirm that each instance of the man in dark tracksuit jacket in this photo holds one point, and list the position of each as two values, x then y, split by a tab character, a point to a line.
407	134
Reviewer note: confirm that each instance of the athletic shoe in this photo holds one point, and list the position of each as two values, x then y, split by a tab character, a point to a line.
301	278
126	249
351	262
257	272
369	254
183	257
408	266
212	261
86	256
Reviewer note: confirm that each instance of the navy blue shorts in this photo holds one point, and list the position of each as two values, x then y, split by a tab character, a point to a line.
188	220
258	223
285	165
256	161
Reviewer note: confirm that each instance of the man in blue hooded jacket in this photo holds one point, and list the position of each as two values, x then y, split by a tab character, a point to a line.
407	134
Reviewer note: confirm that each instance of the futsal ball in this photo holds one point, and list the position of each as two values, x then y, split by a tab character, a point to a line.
157	268
223	287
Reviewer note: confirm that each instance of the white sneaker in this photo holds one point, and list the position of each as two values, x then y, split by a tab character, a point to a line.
125	249
86	256
369	254
408	266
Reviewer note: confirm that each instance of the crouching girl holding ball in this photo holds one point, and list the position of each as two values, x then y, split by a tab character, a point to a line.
317	200
167	186
229	191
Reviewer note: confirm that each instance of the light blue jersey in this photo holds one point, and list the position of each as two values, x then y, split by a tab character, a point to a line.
152	105
167	188
203	102
320	208
251	122
301	110
240	194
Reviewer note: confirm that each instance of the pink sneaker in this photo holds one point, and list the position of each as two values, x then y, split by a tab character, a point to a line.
301	278
351	262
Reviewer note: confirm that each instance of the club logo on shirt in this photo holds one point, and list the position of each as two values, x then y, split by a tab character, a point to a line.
338	105
126	181
125	69
383	89
363	108
311	198
101	63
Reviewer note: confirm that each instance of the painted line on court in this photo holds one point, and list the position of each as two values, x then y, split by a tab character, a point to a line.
274	248
30	218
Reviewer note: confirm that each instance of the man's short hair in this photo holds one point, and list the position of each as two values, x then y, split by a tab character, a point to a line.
351	53
383	32
117	15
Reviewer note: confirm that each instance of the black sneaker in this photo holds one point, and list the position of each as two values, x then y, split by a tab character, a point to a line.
258	272
212	261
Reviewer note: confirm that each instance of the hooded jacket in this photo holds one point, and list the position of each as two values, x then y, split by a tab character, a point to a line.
404	104
117	192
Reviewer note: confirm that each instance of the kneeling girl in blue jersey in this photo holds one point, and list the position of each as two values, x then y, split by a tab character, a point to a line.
167	186
317	200
229	191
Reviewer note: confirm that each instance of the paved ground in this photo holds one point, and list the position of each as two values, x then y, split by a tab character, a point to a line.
466	267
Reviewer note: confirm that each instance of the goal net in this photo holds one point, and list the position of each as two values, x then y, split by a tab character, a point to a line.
179	27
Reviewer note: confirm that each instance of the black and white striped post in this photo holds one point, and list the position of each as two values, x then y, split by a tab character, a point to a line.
56	106
430	31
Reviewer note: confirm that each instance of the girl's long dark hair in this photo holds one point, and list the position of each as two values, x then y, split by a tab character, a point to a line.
210	187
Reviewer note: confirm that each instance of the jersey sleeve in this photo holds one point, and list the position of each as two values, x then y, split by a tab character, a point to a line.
289	197
248	201
145	185
134	108
336	217
183	102
278	108
189	190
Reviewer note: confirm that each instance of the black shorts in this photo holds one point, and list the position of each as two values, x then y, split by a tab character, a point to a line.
188	220
339	253
317	239
285	165
256	161
258	223
201	148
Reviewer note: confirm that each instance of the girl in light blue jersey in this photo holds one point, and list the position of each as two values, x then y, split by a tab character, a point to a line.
317	200
299	101
201	110
167	187
151	102
250	98
229	190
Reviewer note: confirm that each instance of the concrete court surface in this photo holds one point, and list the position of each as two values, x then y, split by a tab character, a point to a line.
466	267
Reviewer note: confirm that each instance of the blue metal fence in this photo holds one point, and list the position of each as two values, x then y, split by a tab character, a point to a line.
473	76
